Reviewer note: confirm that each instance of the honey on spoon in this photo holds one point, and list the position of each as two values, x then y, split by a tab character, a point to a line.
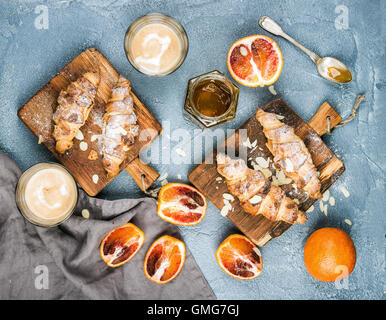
329	68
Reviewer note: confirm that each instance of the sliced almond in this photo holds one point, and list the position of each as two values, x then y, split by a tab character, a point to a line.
228	196
326	196
281	178
247	143
267	173
255	199
345	192
85	213
83	146
95	178
227	204
41	139
271	89
310	209
79	135
280	175
321	206
224	211
348	222
263	163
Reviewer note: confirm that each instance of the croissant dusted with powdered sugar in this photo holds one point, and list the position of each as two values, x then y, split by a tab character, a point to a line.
290	153
74	106
257	194
119	127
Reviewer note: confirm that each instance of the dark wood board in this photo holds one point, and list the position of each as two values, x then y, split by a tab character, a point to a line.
259	229
37	115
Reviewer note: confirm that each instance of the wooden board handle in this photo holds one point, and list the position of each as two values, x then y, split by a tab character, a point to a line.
137	168
319	120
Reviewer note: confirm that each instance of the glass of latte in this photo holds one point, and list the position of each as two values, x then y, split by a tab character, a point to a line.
156	44
46	194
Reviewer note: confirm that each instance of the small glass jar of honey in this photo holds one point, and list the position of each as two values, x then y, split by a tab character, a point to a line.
211	99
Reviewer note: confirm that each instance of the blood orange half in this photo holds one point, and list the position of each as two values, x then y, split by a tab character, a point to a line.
181	204
239	257
121	244
164	259
255	61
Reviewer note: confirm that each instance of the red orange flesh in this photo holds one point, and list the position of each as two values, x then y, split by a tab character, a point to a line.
255	61
181	204
121	244
239	257
164	259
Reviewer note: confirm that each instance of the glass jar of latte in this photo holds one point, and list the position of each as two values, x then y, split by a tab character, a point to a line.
46	194
156	44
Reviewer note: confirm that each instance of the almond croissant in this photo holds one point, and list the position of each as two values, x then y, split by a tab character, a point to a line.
74	106
256	193
119	127
290	153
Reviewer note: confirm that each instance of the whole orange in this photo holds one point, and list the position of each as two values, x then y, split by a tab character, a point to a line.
329	254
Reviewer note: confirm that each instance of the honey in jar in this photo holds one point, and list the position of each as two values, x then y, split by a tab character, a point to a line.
211	98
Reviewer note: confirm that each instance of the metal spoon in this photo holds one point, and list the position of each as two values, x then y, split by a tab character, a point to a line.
328	67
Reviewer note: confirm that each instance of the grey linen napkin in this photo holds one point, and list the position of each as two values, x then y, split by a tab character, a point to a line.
64	262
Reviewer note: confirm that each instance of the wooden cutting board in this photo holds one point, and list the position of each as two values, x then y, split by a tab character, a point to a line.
259	229
37	115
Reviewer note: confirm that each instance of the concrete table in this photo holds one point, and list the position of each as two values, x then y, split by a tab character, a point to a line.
32	51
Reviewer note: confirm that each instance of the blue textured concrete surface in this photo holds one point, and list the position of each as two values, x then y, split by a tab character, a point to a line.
29	57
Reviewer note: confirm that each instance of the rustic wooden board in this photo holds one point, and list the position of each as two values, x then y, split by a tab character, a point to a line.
259	229
37	115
